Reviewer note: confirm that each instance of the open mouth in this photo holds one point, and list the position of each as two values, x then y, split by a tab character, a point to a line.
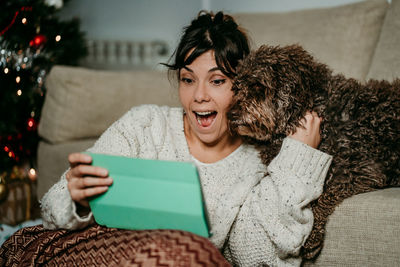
205	118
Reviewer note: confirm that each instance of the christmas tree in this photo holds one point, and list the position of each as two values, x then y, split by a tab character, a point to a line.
32	40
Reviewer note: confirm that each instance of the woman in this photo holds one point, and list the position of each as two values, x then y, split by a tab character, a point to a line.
255	219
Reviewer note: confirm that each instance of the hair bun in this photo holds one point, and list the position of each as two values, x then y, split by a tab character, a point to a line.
226	21
219	17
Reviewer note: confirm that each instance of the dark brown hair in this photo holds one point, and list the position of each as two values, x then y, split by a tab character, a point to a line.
219	33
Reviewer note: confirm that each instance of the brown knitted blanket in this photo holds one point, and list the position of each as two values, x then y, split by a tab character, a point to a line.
101	246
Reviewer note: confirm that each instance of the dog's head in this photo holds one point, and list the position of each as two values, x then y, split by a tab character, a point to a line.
273	90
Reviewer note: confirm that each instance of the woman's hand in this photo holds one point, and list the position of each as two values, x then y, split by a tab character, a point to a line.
309	131
85	180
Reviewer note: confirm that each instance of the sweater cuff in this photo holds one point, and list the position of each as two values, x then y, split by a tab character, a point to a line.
81	219
301	160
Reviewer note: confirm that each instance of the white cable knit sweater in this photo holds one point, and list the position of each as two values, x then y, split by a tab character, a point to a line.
255	219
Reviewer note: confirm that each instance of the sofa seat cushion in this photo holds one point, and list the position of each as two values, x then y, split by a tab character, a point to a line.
82	103
364	231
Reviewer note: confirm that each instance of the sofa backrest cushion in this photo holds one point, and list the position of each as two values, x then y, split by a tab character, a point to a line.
81	103
343	37
386	60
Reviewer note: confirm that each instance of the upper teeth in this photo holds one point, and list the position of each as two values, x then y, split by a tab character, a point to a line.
204	113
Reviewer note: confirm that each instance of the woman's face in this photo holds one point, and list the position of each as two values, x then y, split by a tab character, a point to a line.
205	94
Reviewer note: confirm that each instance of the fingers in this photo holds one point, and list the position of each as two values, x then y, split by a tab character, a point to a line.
317	118
85	180
88	170
87	187
311	119
309	130
83	184
82	188
80	171
79	158
81	196
79	163
92	182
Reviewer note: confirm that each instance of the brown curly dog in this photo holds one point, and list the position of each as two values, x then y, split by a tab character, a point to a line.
276	86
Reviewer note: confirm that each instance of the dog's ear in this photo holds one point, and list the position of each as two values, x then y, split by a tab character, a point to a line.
273	90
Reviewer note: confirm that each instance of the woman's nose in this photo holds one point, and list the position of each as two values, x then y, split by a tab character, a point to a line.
201	93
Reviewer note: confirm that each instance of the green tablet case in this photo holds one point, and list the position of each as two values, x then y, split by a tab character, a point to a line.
150	194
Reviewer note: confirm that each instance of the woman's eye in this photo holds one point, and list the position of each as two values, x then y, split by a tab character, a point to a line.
218	81
186	80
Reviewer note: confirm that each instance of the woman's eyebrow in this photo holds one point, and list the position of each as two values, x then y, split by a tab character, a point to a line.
214	69
210	70
188	69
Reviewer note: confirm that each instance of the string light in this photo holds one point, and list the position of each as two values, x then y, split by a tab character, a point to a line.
32	174
21	59
31	124
58	38
24	20
25	8
19	92
17	79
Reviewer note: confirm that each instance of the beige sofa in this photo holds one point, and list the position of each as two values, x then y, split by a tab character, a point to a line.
361	40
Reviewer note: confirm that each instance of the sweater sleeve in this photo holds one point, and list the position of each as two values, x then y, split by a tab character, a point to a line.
275	219
58	210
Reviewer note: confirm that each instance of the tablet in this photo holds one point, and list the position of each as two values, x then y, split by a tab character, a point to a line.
150	194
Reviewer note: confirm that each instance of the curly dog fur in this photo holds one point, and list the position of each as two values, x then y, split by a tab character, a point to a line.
273	90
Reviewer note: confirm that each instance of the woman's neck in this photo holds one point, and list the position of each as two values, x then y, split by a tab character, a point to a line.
211	152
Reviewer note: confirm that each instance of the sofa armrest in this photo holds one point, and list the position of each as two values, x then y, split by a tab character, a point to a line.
364	231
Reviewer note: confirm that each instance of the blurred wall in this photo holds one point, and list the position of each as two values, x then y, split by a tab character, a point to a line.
145	20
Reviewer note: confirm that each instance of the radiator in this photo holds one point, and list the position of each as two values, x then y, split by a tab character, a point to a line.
119	55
